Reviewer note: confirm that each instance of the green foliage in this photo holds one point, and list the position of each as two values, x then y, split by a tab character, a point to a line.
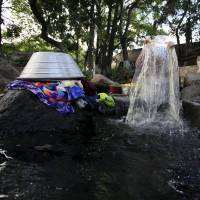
69	22
141	27
19	7
31	44
182	16
122	74
81	58
88	74
13	31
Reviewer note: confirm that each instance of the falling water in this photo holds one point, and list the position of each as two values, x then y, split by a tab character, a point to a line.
155	96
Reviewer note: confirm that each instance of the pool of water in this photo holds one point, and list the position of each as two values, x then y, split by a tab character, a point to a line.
110	162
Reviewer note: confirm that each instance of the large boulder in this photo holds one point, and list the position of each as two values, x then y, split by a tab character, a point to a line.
191	91
101	79
21	112
19	59
184	71
191	97
7	72
192	78
191	110
191	103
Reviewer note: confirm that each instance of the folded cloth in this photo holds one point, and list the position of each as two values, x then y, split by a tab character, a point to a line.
49	94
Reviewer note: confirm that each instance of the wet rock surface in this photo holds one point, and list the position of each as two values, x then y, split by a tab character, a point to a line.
191	110
191	103
21	111
89	156
191	91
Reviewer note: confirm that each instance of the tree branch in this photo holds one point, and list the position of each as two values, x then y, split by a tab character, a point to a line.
132	6
44	31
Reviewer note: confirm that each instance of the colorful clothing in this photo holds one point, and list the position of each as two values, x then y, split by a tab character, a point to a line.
106	99
51	93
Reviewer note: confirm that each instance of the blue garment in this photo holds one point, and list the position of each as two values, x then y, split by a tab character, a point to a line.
74	92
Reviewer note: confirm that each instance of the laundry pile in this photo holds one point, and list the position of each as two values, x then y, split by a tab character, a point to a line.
63	95
54	94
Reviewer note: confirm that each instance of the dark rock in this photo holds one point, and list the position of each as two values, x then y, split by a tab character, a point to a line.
2	157
192	78
191	91
7	72
26	125
19	59
191	111
45	147
122	105
21	112
191	104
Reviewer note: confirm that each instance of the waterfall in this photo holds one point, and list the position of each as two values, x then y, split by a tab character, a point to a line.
155	96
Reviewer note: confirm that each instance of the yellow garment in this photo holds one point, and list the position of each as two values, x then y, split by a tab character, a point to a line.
107	99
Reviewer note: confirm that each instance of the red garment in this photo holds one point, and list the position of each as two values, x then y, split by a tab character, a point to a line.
89	88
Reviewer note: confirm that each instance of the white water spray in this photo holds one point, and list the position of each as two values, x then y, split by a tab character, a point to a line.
155	96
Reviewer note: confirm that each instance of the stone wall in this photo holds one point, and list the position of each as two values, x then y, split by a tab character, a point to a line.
185	72
187	54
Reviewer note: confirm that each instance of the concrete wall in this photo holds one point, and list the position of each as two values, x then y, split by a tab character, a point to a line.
184	71
187	54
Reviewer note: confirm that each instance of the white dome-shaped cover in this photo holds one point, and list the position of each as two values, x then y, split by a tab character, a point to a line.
44	66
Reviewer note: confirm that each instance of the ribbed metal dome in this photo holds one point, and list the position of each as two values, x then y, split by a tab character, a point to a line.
44	66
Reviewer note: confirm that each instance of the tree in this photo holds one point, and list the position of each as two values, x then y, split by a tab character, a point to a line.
1	21
126	12
182	16
2	8
90	51
102	26
42	12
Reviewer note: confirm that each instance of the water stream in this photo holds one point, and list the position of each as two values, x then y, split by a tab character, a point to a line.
155	97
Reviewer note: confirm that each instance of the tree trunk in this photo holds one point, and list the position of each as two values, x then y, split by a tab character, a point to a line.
1	21
188	32
123	35
124	49
77	49
90	52
178	41
107	60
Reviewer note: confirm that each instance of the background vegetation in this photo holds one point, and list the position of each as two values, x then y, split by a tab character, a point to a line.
93	30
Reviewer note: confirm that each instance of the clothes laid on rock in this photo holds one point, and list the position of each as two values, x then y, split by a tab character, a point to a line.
61	95
54	94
